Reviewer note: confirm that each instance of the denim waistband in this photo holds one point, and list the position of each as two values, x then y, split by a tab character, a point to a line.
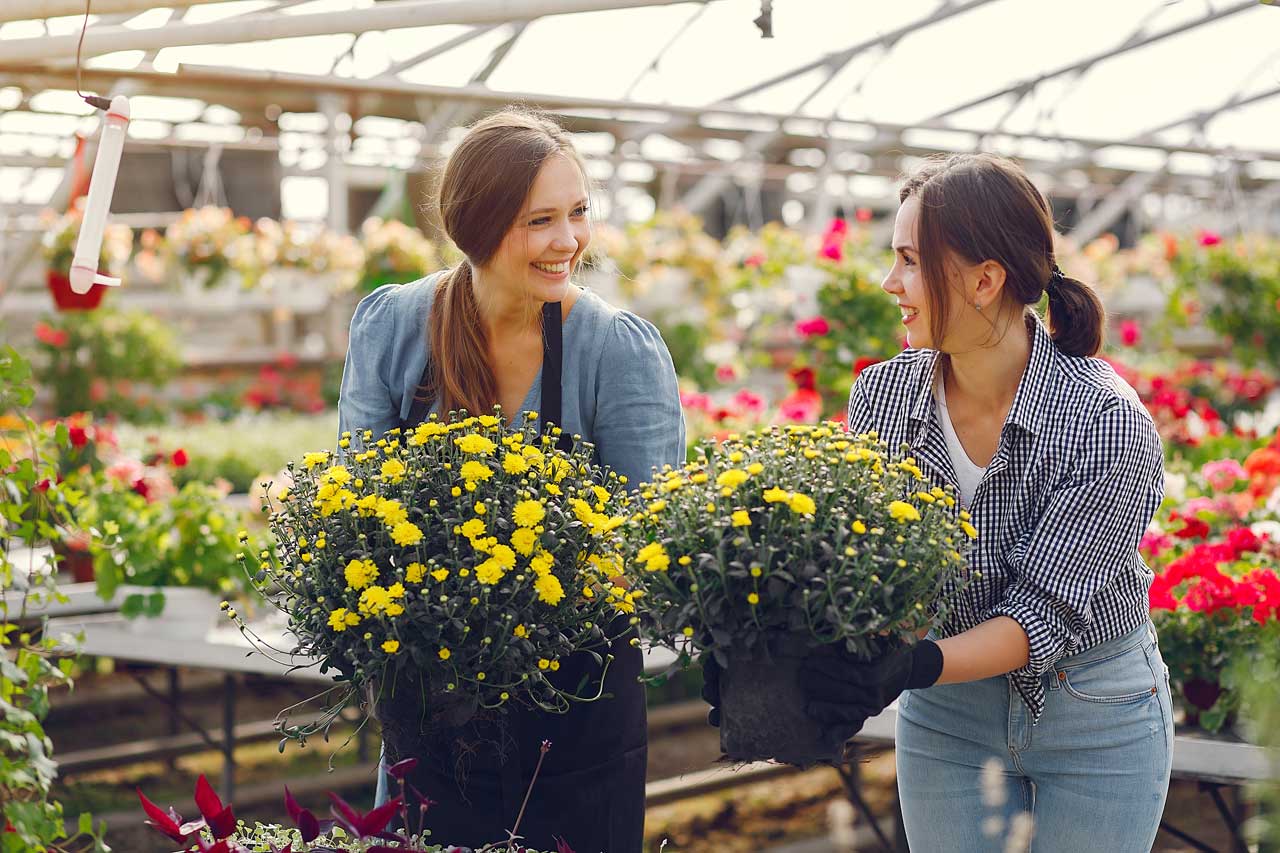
1110	647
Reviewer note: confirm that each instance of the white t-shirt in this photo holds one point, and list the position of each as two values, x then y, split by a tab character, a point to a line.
968	475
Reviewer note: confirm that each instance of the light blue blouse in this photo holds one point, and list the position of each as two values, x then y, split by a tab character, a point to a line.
619	387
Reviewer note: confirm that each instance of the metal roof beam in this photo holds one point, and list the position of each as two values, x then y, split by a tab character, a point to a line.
1082	64
840	58
267	25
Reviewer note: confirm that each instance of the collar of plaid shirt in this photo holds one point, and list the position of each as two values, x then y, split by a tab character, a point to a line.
1027	412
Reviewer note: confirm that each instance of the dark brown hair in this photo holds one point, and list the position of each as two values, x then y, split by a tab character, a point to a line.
979	207
484	186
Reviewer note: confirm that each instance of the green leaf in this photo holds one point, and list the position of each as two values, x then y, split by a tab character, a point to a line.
155	603
132	606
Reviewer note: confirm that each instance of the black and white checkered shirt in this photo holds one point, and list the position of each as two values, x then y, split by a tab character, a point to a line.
1076	478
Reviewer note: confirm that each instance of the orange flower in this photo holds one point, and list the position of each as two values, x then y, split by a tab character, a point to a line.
1263	467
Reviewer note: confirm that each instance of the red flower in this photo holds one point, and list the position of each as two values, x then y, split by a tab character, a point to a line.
140	486
180	459
43	485
1193	528
78	435
1209	238
1243	540
863	363
754	260
749	402
46	334
1160	596
862	214
726	373
1130	334
804	378
814	327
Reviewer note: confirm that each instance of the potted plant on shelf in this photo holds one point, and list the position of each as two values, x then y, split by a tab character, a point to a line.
198	249
59	246
394	253
176	550
91	360
446	572
781	540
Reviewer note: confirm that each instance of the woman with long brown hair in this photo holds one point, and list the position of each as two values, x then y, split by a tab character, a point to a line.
1042	696
514	199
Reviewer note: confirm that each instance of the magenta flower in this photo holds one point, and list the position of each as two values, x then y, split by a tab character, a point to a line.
1130	333
726	373
1209	238
814	327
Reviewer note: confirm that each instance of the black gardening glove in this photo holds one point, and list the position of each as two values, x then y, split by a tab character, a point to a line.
711	687
842	690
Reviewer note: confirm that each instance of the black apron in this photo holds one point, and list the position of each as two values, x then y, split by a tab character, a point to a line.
590	790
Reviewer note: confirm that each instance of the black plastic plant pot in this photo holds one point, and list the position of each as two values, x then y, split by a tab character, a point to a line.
762	714
413	717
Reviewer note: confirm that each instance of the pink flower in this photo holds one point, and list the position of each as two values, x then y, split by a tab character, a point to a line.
754	260
1155	544
695	401
1223	473
832	251
126	471
748	402
46	334
802	406
814	327
1210	238
862	214
1130	333
726	373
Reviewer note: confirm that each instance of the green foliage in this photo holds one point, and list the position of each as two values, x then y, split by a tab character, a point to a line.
799	530
187	539
243	451
1233	286
31	505
89	360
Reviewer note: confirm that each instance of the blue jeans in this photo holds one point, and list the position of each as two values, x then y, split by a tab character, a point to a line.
1091	775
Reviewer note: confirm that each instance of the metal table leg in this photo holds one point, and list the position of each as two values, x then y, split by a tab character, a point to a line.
228	738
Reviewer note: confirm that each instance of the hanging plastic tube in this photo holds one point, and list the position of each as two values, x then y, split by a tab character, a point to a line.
106	165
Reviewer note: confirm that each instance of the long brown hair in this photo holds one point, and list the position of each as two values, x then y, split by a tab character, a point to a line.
980	207
482	191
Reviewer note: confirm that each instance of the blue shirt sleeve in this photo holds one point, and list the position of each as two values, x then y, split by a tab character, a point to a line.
639	424
367	400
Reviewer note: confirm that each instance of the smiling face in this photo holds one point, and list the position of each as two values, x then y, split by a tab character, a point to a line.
962	286
546	242
904	281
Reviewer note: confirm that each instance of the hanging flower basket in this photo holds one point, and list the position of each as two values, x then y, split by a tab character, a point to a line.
67	299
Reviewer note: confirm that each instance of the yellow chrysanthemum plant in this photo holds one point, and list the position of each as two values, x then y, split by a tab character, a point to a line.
780	540
463	561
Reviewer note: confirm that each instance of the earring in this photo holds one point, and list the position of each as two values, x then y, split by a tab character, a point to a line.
977	306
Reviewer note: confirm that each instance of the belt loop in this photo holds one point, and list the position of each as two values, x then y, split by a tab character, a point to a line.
1056	677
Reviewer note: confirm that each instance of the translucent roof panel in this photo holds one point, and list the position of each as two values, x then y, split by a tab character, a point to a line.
968	64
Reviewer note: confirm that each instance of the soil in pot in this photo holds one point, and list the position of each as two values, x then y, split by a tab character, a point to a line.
762	713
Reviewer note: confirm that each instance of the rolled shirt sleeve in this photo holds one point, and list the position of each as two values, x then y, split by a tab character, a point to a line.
639	424
366	401
1085	538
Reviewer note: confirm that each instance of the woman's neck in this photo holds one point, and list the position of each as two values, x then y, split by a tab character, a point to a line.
989	376
505	313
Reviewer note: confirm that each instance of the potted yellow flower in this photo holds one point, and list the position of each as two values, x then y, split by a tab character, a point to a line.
781	540
447	571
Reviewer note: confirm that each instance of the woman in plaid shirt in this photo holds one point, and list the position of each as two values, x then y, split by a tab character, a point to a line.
1046	693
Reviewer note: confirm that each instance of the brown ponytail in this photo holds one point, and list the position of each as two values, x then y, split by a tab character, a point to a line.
1076	317
482	191
980	207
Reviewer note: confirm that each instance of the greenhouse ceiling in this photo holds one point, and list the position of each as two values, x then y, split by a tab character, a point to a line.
1116	97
